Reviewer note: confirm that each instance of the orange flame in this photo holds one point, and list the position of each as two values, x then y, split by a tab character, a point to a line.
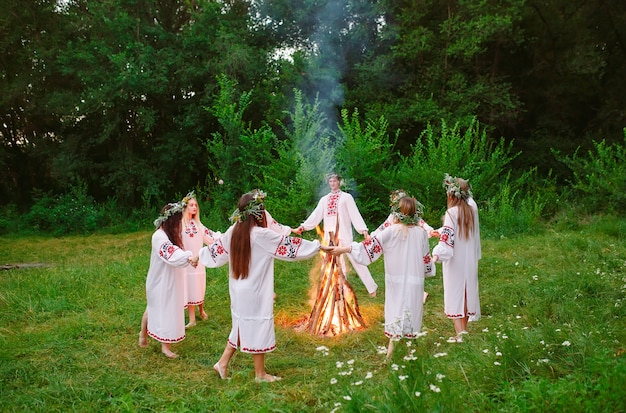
334	305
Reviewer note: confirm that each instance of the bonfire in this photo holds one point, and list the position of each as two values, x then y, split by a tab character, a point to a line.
335	309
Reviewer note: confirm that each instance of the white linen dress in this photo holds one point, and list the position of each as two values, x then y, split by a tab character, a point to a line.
193	240
252	299
340	205
407	261
459	257
165	289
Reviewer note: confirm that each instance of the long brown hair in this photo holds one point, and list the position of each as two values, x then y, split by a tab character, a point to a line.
240	248
171	226
465	219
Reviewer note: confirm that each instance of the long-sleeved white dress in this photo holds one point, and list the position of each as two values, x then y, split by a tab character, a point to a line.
459	257
165	289
341	206
407	261
193	240
252	299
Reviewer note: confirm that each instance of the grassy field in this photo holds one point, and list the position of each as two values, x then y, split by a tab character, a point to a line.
552	337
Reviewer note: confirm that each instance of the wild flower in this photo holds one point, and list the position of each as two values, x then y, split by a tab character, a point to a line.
369	375
333	381
566	343
435	388
357	383
497	363
498	354
395	367
347	398
437	355
486	351
350	361
339	364
440	377
402	378
418	394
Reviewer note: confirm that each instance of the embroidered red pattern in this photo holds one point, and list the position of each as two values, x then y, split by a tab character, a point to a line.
333	204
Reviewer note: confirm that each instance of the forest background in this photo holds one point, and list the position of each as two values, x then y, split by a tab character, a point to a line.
109	109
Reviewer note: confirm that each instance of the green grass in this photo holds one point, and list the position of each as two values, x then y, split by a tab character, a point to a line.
552	337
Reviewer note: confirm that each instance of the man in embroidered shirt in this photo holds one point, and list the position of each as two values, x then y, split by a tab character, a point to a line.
338	207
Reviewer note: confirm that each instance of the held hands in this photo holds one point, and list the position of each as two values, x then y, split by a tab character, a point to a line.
335	250
435	234
194	261
298	230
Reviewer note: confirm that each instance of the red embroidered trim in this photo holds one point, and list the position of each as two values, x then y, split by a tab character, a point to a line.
166	340
389	335
252	350
459	315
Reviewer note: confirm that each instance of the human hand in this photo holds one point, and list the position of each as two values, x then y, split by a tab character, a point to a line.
298	230
367	236
338	250
194	261
435	234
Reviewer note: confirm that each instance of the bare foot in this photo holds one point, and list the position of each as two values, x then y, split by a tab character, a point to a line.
190	324
268	378
143	340
219	370
170	354
204	315
373	294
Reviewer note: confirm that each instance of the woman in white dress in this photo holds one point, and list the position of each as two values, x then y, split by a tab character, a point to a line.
250	248
195	235
407	261
459	251
394	197
164	318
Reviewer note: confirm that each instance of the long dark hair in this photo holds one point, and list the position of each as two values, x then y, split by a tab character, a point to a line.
240	248
172	226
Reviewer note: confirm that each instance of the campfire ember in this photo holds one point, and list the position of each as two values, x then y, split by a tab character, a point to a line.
335	310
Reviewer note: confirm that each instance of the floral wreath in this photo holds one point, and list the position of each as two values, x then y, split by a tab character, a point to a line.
173	209
452	185
254	207
327	177
394	203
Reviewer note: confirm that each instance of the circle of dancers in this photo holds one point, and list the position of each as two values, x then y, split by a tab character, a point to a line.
182	249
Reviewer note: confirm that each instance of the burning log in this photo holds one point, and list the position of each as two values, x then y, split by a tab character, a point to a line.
336	309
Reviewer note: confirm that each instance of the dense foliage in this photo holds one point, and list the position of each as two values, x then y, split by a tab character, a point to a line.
132	103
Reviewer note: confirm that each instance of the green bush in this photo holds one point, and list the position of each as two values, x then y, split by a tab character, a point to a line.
9	219
599	178
74	212
507	204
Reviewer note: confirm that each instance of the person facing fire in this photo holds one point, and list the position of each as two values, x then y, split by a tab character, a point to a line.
407	263
340	213
250	248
